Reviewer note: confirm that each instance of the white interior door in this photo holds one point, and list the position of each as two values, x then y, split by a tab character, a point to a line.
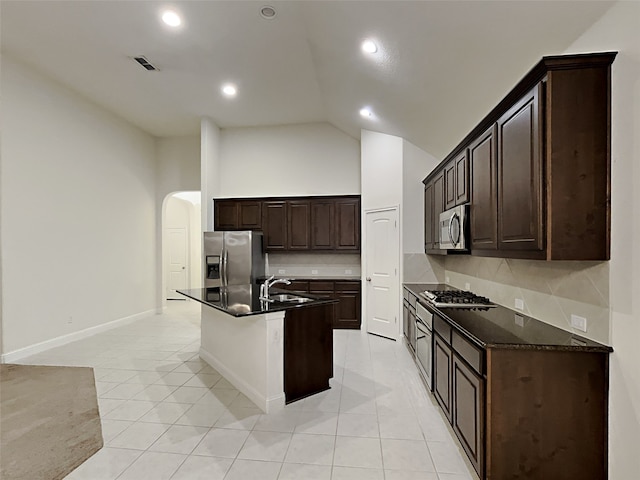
177	259
382	264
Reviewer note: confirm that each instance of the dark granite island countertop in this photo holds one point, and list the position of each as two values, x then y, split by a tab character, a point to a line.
244	300
501	327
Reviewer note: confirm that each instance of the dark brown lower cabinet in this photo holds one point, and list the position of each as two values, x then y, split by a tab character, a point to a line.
546	414
308	351
442	374
468	411
524	411
347	312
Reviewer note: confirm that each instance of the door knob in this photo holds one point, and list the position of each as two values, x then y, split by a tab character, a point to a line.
368	279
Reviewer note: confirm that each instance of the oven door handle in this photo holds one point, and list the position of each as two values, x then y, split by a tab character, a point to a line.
420	325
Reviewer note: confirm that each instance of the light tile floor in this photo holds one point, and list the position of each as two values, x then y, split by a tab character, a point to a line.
166	414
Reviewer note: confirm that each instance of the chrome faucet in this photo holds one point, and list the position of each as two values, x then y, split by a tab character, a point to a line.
270	282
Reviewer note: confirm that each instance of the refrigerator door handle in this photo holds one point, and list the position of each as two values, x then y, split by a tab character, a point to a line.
225	257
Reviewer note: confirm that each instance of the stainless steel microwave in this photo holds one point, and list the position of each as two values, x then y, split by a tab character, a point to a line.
452	228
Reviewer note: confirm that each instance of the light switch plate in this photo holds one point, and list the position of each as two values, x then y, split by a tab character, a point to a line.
446	279
314	272
579	323
348	272
519	319
519	304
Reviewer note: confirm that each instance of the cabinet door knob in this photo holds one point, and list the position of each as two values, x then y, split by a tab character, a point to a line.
368	279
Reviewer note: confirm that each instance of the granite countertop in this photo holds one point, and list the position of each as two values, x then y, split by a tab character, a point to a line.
244	300
501	327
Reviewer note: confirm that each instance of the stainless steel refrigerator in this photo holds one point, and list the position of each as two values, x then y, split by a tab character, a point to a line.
232	258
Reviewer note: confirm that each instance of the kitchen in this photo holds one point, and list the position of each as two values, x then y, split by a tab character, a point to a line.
32	200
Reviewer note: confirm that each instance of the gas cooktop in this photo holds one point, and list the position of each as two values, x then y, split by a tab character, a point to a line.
456	299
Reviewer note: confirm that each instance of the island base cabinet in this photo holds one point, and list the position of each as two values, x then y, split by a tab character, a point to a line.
546	414
308	351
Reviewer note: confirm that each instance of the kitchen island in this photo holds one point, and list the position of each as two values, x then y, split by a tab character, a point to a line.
274	352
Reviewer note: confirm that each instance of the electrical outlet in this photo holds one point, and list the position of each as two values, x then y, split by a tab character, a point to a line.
446	279
519	304
281	271
579	323
519	319
348	271
314	272
467	286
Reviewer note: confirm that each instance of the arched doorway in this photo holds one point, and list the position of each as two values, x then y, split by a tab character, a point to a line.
181	252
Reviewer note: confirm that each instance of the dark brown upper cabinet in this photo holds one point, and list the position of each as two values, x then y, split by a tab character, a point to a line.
456	181
348	224
299	225
226	215
250	215
483	213
430	226
323	224
462	178
295	224
438	206
520	215
540	165
274	223
237	214
450	185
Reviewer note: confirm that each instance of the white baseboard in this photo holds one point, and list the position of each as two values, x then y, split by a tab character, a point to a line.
70	337
268	405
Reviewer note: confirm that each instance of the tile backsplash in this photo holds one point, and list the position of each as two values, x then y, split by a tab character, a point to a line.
313	264
551	291
421	268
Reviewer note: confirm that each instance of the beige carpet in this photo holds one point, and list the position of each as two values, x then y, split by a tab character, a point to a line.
49	421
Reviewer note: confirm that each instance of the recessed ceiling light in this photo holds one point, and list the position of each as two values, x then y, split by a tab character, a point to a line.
369	46
366	112
171	18
267	12
229	90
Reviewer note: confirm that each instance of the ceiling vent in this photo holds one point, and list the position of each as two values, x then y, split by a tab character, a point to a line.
145	63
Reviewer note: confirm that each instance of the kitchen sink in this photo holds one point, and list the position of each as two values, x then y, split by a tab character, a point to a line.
287	298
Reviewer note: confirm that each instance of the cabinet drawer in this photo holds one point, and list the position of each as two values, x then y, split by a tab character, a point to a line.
297	286
413	300
443	328
467	351
320	286
345	286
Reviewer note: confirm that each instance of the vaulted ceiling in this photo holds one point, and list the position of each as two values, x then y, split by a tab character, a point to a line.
440	65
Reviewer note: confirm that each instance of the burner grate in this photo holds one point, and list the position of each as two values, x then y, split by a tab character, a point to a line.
456	298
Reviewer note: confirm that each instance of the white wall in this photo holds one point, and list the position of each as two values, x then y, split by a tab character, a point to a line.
289	160
381	166
416	165
178	164
78	212
178	160
416	266
209	170
619	30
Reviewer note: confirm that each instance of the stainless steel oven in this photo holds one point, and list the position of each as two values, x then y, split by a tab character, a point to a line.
424	345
